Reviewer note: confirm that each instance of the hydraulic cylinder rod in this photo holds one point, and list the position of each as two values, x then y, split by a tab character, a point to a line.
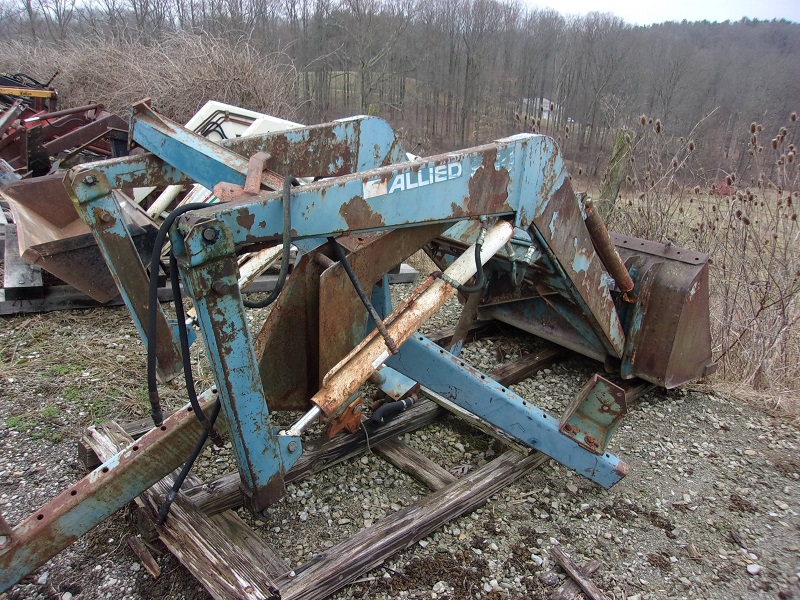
347	376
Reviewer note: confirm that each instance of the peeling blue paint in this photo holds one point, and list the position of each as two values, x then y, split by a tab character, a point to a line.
552	225
581	262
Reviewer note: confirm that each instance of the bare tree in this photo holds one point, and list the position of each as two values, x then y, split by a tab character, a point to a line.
57	15
478	23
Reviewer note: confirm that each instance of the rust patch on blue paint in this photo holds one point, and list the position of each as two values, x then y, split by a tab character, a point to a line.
360	215
246	221
488	187
457	210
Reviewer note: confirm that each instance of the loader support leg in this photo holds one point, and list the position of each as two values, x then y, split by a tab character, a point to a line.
448	376
261	454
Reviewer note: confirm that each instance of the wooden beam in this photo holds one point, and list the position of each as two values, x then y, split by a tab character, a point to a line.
135	429
587	585
221	551
477	330
224	493
467	320
527	365
569	590
420	467
474	420
366	550
144	556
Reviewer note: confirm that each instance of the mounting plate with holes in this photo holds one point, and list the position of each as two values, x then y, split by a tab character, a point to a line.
594	414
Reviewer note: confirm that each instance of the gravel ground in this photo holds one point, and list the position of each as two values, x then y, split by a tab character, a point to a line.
709	510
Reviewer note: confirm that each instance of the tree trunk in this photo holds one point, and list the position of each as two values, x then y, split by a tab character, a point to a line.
615	172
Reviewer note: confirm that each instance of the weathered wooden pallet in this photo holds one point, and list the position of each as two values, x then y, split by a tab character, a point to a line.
46	298
231	562
24	292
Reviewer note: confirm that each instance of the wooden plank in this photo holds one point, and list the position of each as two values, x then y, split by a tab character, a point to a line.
569	590
59	297
135	429
220	550
366	550
474	420
20	280
223	493
467	320
420	467
635	389
586	584
143	554
477	330
525	366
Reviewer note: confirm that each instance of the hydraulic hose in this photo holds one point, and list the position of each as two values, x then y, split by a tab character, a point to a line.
389	411
480	278
183	335
152	312
287	247
163	510
340	256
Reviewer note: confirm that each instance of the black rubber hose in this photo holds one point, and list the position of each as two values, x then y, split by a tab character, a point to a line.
163	510
340	256
152	312
479	273
287	247
389	411
183	335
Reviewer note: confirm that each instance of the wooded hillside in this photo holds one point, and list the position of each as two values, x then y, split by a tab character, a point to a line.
453	73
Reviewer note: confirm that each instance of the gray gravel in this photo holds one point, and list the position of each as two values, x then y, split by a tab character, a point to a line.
709	510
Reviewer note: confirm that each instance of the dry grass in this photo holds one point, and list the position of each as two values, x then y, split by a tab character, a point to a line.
748	225
57	361
179	73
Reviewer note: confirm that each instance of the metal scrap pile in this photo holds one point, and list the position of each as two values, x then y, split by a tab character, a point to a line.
36	137
38	142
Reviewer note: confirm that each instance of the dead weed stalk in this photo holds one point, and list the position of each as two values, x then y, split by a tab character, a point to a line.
749	227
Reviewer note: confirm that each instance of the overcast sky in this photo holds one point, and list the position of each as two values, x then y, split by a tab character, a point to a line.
643	12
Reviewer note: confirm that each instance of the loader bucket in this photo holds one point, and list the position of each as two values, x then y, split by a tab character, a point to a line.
668	330
53	236
665	320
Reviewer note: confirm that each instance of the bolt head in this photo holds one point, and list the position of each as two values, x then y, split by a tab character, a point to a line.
220	288
210	235
90	180
292	446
